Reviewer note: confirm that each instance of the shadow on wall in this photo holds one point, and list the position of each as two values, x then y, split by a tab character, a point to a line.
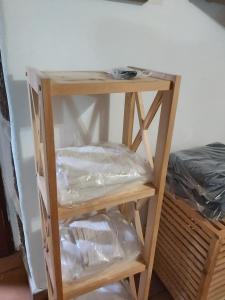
73	130
214	10
81	120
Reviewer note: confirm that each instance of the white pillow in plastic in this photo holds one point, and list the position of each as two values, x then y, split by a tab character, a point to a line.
87	245
86	172
115	291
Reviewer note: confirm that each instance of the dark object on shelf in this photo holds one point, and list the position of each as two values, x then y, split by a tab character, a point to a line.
198	174
217	1
124	74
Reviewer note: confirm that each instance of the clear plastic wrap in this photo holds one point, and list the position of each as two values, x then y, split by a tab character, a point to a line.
89	244
123	73
126	73
115	291
198	175
87	172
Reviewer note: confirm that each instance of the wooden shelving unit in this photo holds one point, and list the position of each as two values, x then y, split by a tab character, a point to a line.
42	86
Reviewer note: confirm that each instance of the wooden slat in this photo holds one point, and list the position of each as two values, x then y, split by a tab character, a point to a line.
218	294
137	222
209	268
164	138
50	171
184	280
131	194
219	268
217	282
148	119
171	285
111	274
186	231
221	255
183	245
145	139
42	188
219	226
219	274
133	287
220	262
179	269
171	254
186	240
172	280
128	124
188	222
101	87
128	120
172	246
192	213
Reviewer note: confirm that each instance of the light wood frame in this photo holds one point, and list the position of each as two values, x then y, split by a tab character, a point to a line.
190	253
42	86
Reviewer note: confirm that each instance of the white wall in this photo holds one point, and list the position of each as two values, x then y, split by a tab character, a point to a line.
173	36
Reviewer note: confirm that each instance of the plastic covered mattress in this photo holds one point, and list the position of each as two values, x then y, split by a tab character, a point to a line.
198	175
89	244
92	171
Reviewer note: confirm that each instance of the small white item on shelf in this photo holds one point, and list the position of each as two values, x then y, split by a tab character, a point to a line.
87	172
87	245
115	291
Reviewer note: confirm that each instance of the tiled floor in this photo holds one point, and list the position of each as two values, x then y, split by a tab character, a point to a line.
14	284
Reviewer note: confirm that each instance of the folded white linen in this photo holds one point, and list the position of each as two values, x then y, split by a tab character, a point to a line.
86	172
87	245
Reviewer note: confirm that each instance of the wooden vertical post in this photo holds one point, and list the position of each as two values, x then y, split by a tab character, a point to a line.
166	124
128	121
51	188
128	124
209	268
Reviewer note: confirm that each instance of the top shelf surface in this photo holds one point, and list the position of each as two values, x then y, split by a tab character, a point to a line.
99	82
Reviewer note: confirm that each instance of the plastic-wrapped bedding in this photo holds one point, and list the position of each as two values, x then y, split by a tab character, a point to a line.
115	291
92	171
87	245
198	175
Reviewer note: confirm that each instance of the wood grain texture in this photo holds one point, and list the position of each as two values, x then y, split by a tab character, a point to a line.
42	86
91	82
166	124
127	195
192	250
113	273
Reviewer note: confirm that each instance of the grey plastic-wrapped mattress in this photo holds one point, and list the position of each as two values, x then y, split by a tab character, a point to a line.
198	175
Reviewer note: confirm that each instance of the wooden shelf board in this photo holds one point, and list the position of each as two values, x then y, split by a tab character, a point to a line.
111	274
97	82
129	194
